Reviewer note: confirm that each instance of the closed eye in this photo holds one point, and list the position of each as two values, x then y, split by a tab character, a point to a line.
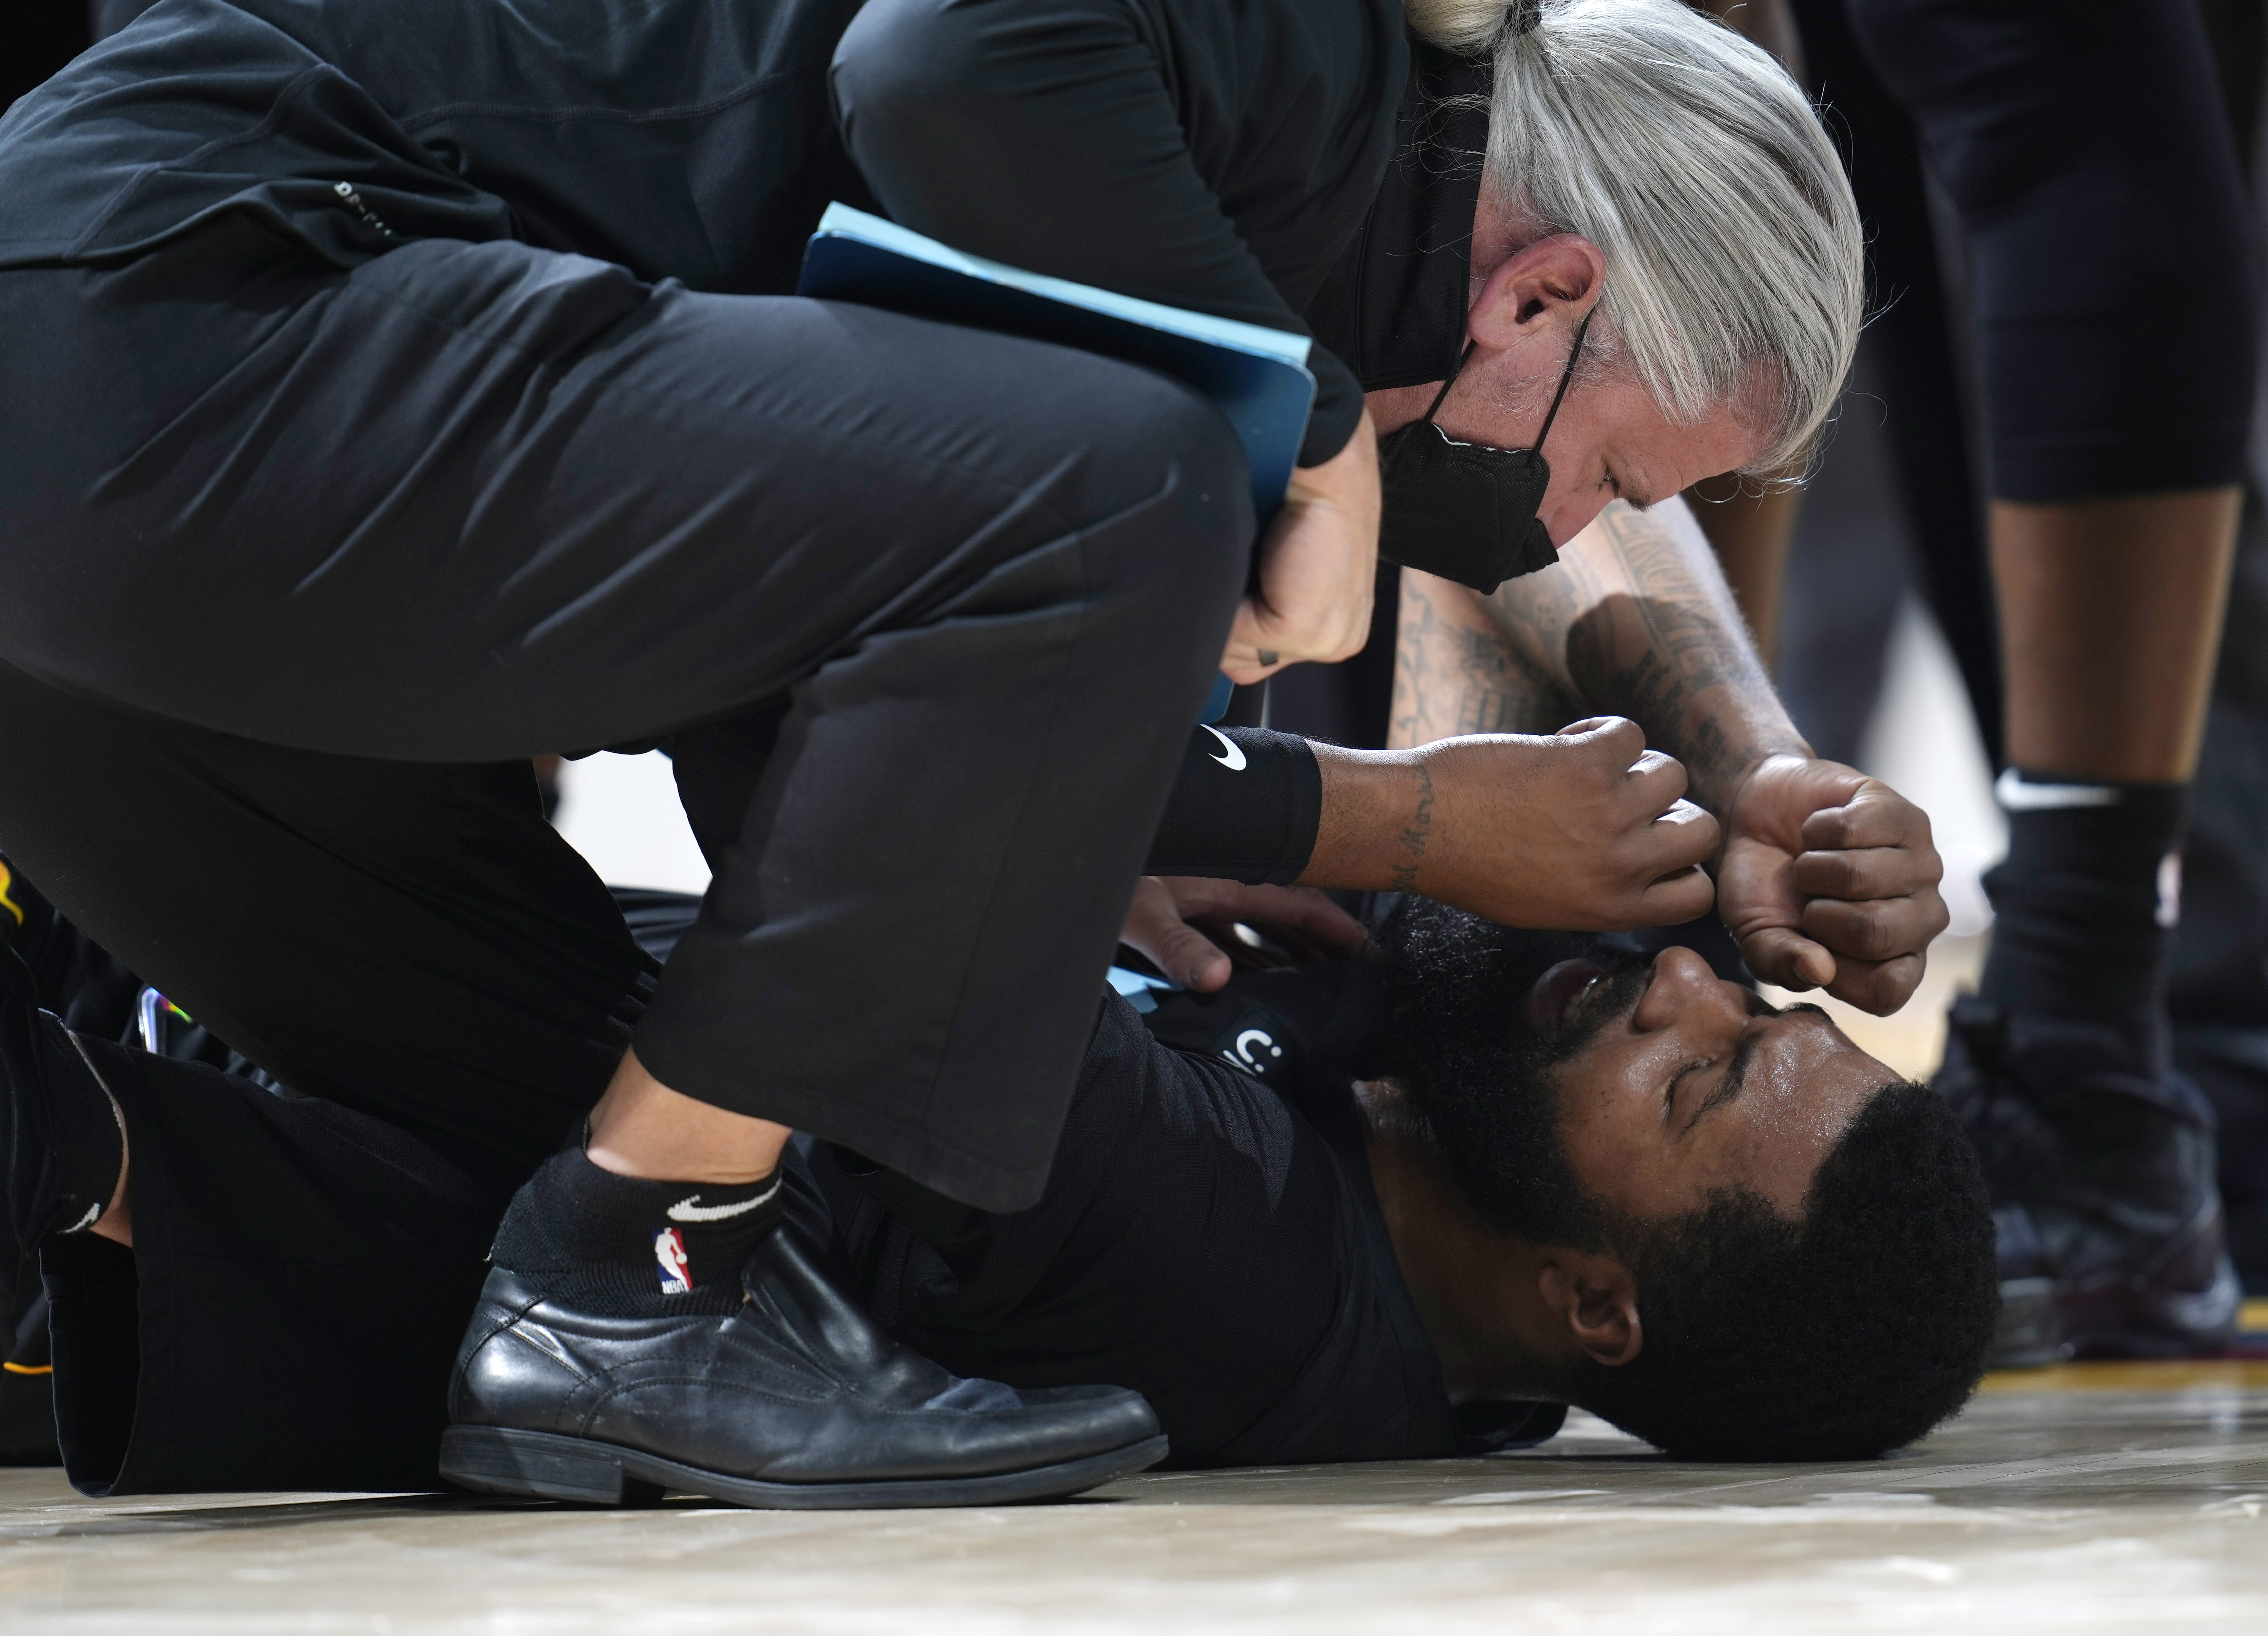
1736	1073
1669	1091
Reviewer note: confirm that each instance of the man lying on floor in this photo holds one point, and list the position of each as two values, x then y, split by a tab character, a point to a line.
1399	1207
1407	1206
301	1267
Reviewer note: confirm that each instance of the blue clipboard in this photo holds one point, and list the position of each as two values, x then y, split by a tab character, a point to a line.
1258	377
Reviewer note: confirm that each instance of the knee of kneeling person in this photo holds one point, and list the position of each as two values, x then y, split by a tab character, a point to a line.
1167	476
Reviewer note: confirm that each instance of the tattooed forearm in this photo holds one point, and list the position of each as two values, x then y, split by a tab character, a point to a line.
1635	620
1411	843
1455	672
1666	646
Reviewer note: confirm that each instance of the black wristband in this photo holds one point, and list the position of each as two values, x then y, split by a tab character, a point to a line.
1246	807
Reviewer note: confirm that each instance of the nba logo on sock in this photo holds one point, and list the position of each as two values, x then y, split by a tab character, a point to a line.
676	1270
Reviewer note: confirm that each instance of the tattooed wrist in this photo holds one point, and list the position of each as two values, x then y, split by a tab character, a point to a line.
1410	845
1667	647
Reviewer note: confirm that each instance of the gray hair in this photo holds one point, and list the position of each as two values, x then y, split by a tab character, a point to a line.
1735	265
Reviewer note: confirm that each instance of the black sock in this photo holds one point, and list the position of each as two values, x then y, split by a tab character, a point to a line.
616	1245
2085	905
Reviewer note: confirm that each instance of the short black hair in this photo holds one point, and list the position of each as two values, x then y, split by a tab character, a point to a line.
1841	1335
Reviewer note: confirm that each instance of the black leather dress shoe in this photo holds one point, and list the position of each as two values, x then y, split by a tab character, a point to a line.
795	1401
2112	1244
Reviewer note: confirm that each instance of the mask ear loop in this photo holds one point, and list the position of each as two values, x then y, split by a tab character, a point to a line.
1426	419
1566	380
1462	358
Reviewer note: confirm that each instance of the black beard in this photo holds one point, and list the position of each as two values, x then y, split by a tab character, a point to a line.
1483	1081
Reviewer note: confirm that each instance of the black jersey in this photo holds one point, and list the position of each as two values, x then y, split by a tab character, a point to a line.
1209	1236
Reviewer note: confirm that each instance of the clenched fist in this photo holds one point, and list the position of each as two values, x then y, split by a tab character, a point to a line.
1829	880
1587	830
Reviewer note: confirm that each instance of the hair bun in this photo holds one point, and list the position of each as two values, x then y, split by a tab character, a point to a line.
1475	27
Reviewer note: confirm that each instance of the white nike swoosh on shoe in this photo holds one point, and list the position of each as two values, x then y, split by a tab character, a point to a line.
2017	794
1234	760
691	1209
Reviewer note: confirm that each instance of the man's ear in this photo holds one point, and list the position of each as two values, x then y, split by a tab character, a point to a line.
1551	284
1387	1104
1596	1298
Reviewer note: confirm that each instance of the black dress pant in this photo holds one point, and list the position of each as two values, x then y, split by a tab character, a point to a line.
301	564
926	612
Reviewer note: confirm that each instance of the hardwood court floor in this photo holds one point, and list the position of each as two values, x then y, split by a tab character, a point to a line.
2092	1498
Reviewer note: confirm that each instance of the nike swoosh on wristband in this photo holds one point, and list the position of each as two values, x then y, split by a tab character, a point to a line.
1234	760
2018	794
692	1209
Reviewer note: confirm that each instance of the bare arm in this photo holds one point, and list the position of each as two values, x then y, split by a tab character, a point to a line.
1635	620
1826	877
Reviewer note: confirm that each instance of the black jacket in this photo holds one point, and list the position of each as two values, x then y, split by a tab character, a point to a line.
1213	156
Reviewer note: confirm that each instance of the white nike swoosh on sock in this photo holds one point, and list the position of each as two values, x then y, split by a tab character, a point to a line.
691	1208
1234	760
2017	794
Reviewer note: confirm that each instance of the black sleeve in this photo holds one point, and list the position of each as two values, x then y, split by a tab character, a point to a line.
1197	1243
1043	133
1246	806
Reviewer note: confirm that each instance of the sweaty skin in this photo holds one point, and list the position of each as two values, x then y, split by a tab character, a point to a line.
1699	1084
1690	1084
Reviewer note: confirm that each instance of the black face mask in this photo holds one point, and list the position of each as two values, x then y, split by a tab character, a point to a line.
1464	510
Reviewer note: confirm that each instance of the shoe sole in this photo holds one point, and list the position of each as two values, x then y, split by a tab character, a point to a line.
544	1465
2042	1324
2154	1324
2028	1336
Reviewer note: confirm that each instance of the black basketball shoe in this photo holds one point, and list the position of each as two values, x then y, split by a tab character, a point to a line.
2111	1242
2231	1066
